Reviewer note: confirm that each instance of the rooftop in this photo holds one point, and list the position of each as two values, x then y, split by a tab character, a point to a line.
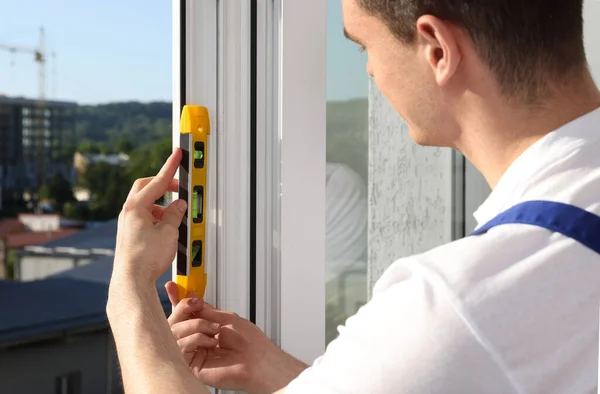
44	309
21	240
103	236
10	226
70	301
100	271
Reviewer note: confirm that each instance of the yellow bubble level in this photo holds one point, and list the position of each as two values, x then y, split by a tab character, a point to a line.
194	131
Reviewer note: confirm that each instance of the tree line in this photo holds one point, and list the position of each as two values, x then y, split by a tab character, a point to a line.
143	131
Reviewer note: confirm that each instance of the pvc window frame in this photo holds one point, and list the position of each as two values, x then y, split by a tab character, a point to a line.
211	67
291	172
255	61
302	123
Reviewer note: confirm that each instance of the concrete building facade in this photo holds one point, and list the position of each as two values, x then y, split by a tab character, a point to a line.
33	139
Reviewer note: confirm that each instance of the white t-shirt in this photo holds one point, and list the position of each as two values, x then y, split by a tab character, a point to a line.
512	311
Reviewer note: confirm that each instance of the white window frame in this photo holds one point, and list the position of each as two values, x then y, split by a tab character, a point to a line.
302	126
217	75
290	178
291	171
268	166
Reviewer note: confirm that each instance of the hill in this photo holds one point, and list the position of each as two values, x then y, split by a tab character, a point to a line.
348	134
144	124
140	123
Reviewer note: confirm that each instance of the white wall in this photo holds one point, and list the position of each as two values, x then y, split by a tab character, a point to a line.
410	190
35	222
477	191
35	267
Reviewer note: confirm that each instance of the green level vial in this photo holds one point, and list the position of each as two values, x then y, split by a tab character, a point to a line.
197	204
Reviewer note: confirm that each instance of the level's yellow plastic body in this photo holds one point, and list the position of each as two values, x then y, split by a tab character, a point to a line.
194	130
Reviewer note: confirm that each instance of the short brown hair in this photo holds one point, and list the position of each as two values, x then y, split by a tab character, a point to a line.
526	43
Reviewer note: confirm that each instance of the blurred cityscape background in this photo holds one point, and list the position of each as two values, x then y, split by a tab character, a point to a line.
85	109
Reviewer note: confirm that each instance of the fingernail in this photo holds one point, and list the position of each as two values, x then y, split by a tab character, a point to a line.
215	326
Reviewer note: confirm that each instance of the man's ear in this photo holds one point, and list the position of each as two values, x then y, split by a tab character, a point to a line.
439	43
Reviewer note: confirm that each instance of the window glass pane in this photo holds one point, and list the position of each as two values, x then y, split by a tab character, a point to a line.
347	174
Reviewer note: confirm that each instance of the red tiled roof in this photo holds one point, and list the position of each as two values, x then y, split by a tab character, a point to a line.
22	240
10	226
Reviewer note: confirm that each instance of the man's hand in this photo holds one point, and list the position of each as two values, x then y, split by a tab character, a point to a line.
194	336
245	359
151	361
148	233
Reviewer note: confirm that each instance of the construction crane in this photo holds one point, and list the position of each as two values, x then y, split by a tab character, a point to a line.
39	115
40	57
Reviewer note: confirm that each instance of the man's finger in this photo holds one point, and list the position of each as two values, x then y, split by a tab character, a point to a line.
172	292
159	185
173	215
189	327
229	338
196	341
217	316
143	182
185	310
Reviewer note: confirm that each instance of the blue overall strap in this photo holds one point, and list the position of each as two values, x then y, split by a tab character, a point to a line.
568	220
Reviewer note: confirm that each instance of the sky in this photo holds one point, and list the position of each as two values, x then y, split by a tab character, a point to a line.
120	50
106	50
346	65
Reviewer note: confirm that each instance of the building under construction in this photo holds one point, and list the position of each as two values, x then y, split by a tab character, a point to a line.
35	140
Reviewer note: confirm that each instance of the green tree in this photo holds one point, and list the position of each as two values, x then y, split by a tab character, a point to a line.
89	147
60	189
109	187
76	211
67	154
140	123
123	145
11	264
145	162
44	192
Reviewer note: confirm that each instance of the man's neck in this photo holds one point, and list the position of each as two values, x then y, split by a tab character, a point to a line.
494	136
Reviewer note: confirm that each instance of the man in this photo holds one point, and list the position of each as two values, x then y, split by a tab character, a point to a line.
513	310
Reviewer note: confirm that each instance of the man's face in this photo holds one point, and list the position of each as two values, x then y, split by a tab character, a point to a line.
401	73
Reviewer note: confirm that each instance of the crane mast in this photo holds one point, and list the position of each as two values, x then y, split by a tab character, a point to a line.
39	122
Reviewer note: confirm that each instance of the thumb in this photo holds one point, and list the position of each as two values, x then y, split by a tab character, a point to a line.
174	214
172	292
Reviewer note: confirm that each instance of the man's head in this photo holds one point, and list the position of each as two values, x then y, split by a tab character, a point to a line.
429	56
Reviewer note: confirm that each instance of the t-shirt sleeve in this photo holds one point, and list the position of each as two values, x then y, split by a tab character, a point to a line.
408	339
